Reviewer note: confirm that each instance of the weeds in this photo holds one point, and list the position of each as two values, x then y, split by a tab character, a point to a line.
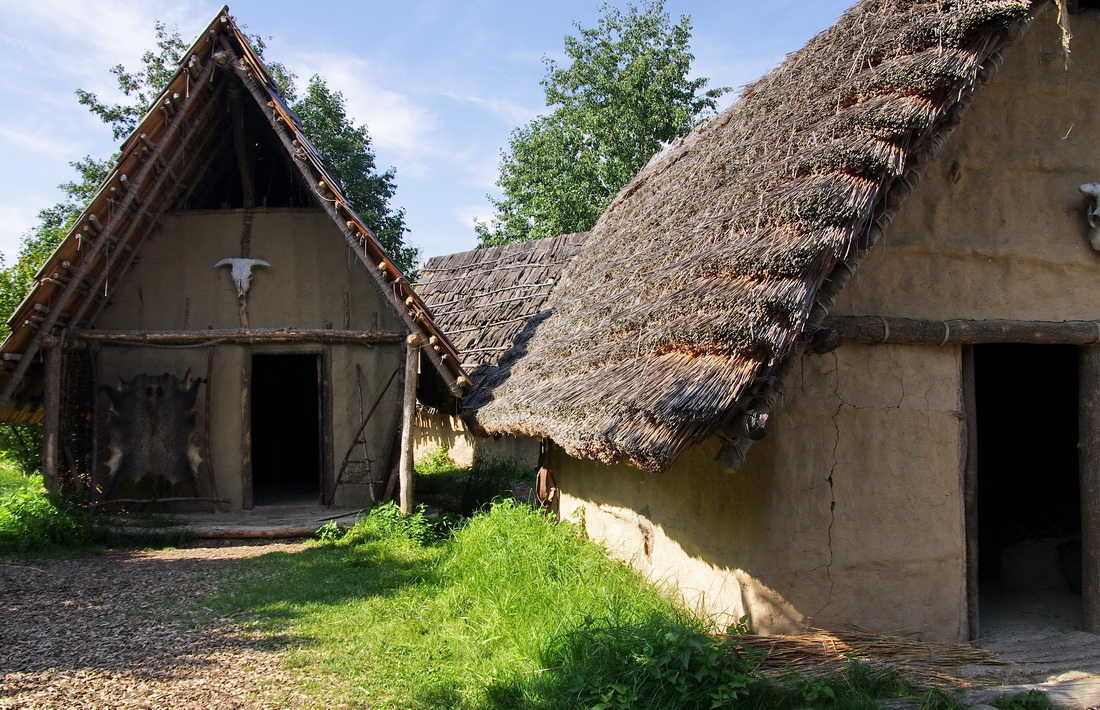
34	522
468	490
1031	700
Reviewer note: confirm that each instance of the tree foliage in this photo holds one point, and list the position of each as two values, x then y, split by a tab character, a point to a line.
349	156
625	92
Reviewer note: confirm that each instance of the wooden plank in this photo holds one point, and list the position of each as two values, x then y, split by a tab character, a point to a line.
324	376
969	432
1089	471
246	433
254	335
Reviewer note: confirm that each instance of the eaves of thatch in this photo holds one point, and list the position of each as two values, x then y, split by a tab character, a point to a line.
491	301
698	285
188	139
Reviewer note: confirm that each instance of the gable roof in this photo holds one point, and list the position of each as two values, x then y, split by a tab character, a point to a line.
158	166
490	301
698	284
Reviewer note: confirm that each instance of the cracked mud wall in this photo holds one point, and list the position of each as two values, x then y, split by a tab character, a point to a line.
849	512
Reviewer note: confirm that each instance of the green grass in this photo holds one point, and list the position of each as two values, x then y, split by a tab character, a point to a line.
508	610
468	490
12	481
36	524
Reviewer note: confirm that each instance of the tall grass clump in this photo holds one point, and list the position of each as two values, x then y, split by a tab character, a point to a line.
583	630
33	521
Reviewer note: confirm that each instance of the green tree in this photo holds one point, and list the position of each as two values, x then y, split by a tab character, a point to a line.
349	156
624	93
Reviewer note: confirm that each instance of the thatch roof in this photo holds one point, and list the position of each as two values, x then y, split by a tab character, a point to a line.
187	149
490	302
695	285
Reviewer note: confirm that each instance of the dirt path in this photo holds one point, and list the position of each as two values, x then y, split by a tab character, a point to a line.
89	633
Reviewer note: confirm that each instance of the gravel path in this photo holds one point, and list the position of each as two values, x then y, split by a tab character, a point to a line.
89	633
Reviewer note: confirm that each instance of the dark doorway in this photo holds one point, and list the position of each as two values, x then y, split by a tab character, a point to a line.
1028	488
286	449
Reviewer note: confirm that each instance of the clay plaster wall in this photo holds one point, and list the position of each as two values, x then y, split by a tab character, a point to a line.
175	286
434	430
996	227
849	512
311	284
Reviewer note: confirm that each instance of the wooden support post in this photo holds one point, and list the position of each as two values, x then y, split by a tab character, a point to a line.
51	426
1089	471
968	429
412	362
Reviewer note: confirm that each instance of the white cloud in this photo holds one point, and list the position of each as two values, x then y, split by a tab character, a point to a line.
509	112
466	215
399	125
84	39
39	142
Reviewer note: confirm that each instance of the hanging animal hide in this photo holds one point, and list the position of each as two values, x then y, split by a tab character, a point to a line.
153	435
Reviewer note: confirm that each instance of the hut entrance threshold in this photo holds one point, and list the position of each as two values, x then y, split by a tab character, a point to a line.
286	429
1024	491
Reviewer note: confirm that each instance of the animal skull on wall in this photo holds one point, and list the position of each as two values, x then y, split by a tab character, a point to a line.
1091	190
241	271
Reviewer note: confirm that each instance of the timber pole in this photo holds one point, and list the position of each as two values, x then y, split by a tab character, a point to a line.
1089	467
408	415
51	426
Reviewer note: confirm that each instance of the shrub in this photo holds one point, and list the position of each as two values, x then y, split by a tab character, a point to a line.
385	522
21	445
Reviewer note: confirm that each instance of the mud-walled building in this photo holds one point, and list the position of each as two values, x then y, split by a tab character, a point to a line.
876	265
220	324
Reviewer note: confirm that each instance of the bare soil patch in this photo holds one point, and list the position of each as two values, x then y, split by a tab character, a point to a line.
124	630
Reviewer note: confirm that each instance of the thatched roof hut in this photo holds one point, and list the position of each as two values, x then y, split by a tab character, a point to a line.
706	274
490	302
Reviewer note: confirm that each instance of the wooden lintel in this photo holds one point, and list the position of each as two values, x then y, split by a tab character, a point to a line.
874	330
256	335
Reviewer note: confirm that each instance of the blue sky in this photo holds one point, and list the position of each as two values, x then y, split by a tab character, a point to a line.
440	84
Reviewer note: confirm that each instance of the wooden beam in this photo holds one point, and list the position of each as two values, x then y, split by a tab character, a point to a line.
256	335
968	430
51	427
408	415
1089	470
876	330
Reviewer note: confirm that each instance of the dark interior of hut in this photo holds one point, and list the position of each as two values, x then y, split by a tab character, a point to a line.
286	450
1028	490
272	182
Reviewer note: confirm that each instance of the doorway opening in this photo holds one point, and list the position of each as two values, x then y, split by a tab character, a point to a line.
286	431
1028	489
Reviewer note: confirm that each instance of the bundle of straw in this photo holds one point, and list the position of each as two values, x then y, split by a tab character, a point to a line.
821	652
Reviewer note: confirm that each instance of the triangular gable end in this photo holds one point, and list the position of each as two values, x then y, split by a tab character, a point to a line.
156	170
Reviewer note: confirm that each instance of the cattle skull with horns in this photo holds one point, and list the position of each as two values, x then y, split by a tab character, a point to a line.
241	271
